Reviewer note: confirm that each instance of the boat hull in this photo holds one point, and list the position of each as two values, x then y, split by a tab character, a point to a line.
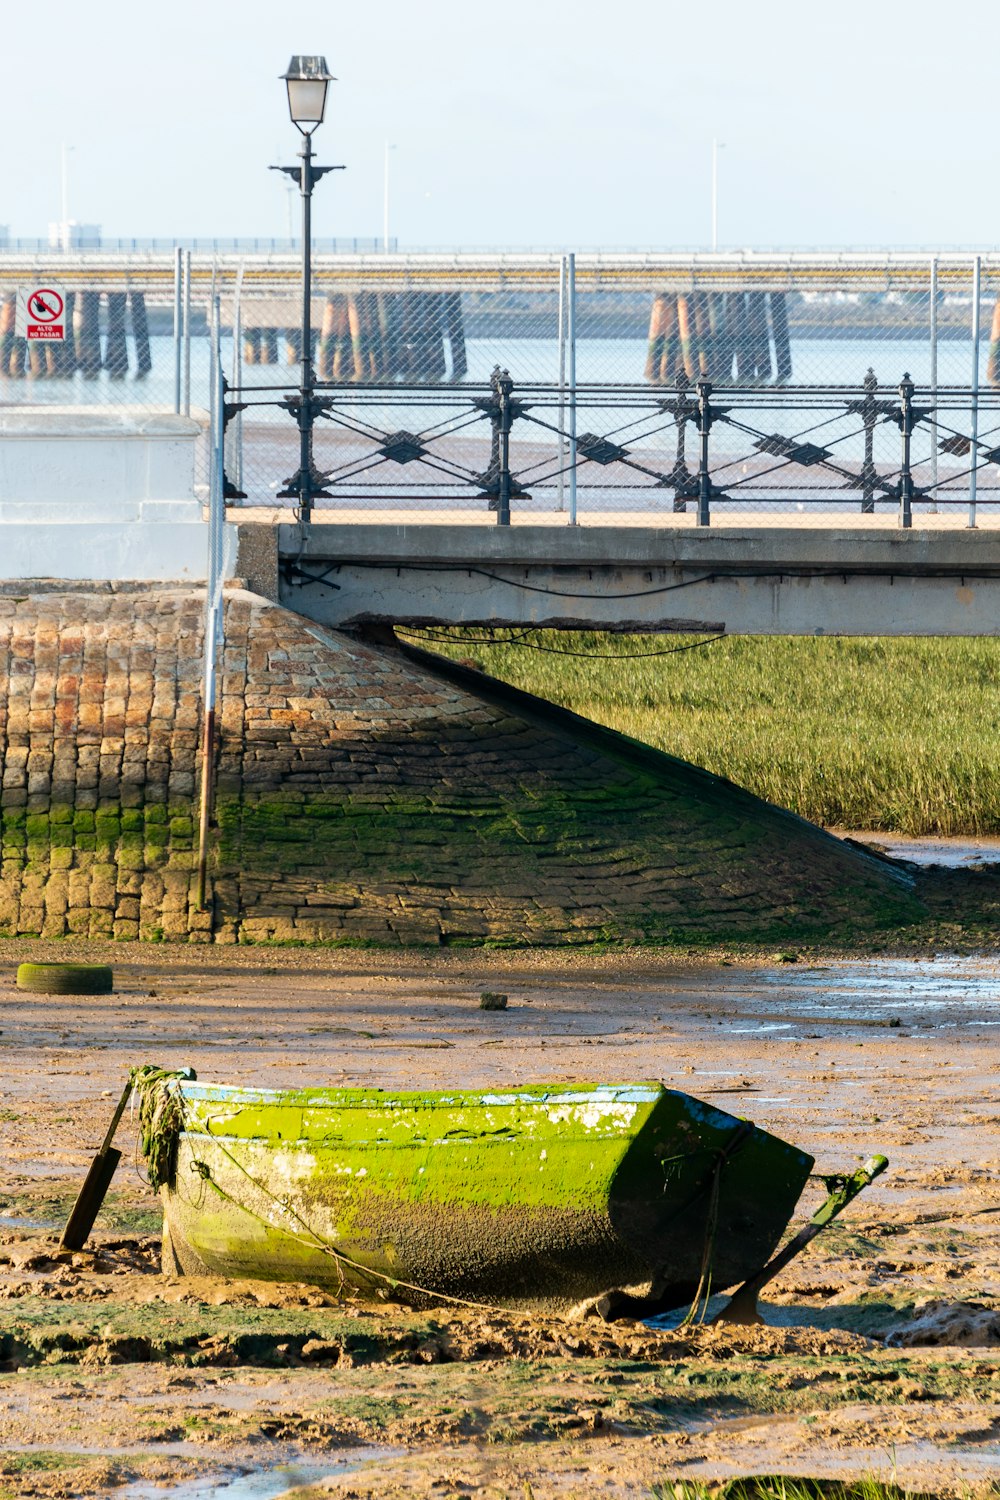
541	1197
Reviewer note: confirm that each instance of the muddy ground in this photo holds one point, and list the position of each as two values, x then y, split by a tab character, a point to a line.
883	1354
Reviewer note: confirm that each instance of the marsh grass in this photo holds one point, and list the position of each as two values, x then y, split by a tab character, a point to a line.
782	1487
892	735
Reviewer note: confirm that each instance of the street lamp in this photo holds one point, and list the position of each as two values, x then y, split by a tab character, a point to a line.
307	81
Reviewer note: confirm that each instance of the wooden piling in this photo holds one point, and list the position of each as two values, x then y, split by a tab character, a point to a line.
454	327
251	346
116	354
87	333
66	351
654	349
324	362
269	346
341	363
140	333
993	363
782	341
736	326
684	331
356	330
703	351
293	346
37	364
370	336
758	336
8	313
387	313
670	358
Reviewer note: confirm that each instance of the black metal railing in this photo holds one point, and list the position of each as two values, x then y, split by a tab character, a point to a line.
538	452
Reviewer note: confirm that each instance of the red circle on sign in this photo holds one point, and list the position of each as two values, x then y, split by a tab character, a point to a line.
45	305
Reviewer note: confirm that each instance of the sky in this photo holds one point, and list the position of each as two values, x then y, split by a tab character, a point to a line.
516	123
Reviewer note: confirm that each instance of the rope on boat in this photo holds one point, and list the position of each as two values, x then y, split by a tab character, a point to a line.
317	1242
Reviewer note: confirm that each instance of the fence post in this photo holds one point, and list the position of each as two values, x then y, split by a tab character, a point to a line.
934	381
561	479
186	333
237	444
178	277
504	387
905	472
977	268
704	428
571	321
869	415
213	597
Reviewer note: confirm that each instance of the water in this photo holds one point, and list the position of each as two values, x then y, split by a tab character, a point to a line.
261	1484
749	477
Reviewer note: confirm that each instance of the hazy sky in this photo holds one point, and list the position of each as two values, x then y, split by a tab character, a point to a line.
515	122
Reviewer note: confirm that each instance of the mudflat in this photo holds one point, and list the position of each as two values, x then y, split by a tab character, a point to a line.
882	1354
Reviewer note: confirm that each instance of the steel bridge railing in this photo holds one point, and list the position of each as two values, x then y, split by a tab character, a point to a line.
687	454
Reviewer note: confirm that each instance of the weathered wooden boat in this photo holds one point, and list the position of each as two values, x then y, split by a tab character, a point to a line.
546	1197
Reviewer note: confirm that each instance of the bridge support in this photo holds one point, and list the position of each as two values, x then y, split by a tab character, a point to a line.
744	581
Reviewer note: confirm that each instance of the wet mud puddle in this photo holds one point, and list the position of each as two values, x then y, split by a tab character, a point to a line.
260	1484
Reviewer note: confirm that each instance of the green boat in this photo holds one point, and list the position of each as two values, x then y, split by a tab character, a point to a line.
630	1197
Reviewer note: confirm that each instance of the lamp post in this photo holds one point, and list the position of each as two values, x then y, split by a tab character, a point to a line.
307	80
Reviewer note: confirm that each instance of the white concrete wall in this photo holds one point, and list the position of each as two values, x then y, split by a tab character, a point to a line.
103	493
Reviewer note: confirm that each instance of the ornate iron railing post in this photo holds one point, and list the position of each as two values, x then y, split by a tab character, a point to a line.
504	386
705	415
905	471
868	408
683	410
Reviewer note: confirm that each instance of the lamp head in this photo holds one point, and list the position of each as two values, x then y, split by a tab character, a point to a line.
307	80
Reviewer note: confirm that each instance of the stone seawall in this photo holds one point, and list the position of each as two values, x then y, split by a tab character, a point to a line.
364	797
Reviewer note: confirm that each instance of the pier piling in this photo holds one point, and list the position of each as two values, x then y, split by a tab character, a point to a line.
140	333
116	352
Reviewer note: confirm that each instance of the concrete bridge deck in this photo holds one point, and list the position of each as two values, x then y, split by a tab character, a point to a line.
760	580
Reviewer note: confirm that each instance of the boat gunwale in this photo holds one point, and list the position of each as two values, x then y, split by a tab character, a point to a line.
196	1092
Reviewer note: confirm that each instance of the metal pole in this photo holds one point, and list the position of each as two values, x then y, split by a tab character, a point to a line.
385	199
186	319
561	480
977	268
237	446
178	276
571	335
934	381
305	476
704	476
715	195
905	469
211	623
504	386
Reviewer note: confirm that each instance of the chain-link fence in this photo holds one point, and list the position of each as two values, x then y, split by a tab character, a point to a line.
607	416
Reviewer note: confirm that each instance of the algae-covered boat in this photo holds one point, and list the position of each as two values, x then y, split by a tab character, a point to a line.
543	1196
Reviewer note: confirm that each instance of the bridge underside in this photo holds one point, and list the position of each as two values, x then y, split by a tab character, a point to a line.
741	580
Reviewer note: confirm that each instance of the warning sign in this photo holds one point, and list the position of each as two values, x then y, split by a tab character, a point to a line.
41	313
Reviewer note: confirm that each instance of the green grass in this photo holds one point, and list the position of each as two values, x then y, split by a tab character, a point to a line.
892	735
782	1487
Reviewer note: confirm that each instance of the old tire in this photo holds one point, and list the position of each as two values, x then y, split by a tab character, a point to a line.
65	979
